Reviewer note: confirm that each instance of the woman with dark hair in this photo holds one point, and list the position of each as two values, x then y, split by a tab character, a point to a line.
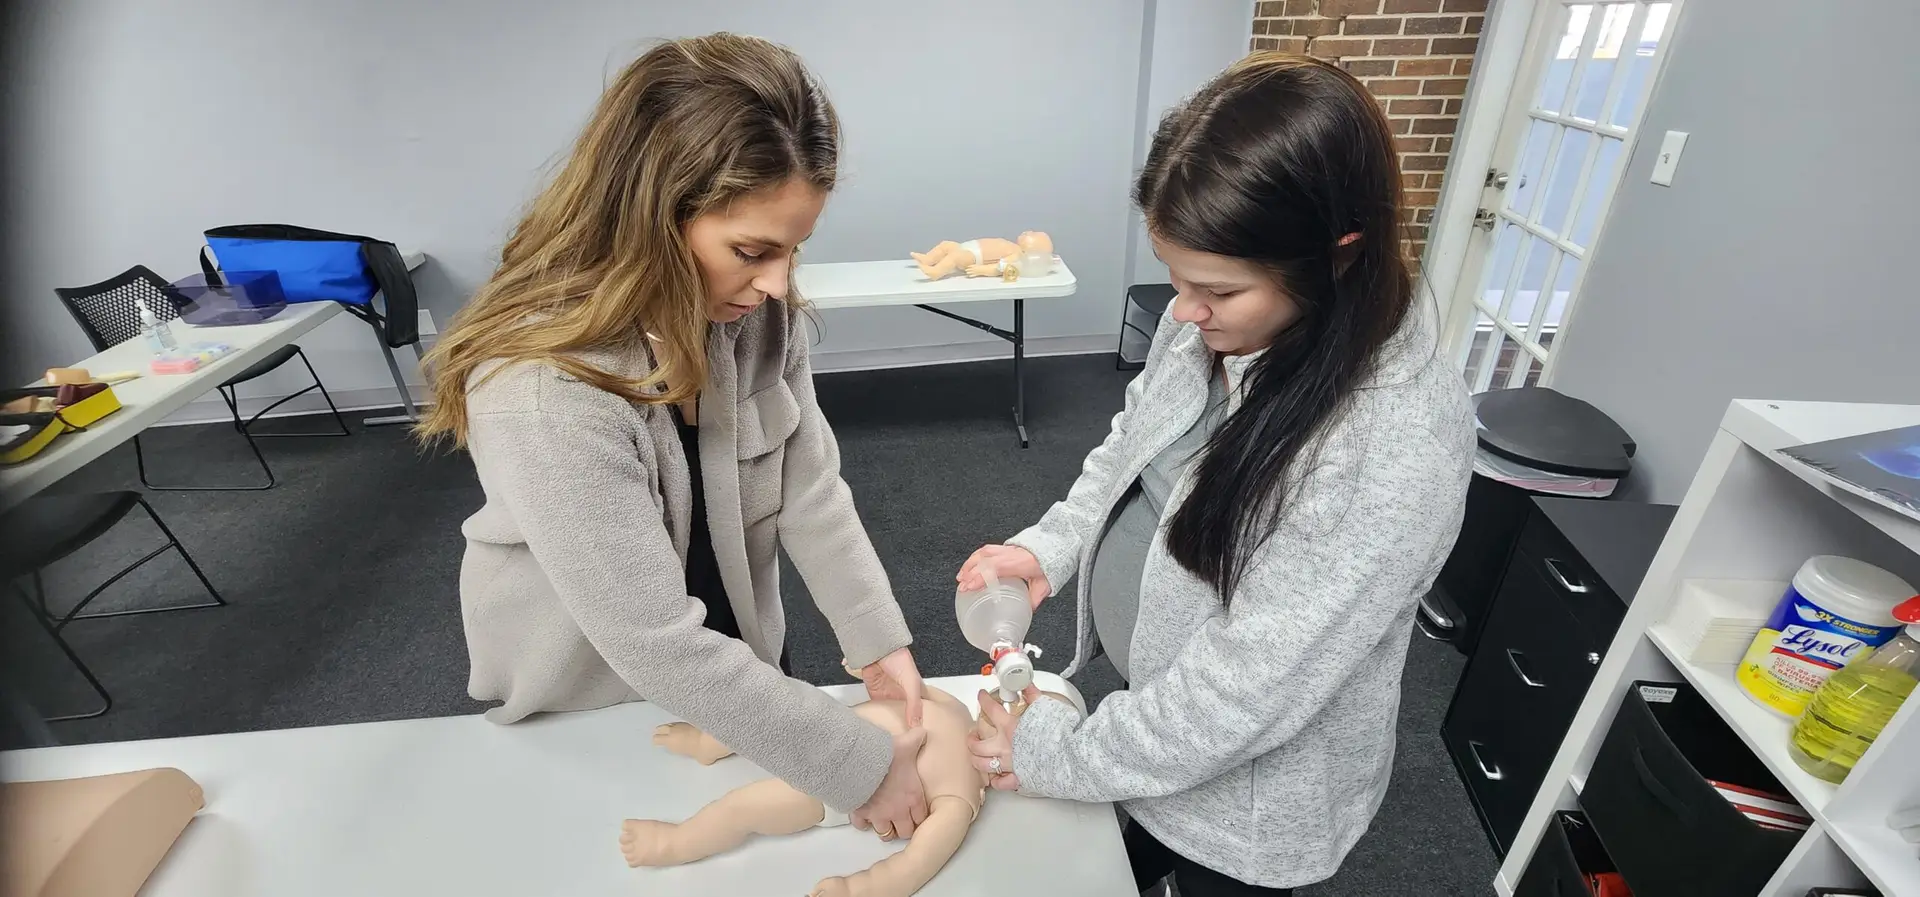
1285	480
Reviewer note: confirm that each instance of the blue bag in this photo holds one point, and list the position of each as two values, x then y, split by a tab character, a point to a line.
314	265
323	266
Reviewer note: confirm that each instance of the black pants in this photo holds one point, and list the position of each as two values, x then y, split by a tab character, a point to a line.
1153	861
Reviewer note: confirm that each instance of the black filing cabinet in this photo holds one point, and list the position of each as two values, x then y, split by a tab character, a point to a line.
1575	566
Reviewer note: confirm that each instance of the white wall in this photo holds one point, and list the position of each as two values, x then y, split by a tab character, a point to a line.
1778	265
1187	43
141	123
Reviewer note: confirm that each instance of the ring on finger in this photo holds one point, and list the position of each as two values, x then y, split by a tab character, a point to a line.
886	834
993	765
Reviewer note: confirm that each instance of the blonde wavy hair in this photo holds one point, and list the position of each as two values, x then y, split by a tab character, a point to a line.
601	256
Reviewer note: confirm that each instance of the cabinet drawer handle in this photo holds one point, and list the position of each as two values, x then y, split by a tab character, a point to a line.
1513	660
1492	773
1560	576
1656	788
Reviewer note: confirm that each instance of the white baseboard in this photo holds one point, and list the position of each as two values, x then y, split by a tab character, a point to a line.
212	410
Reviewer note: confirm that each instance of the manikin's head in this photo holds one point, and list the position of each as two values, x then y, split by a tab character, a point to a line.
1034	241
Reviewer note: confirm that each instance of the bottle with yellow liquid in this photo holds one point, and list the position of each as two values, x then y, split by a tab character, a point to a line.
1856	702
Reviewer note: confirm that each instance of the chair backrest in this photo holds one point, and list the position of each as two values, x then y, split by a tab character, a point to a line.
109	311
401	324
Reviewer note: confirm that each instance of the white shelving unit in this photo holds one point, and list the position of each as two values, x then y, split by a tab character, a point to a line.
1752	514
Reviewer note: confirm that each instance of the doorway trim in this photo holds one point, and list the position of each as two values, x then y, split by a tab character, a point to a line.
1496	71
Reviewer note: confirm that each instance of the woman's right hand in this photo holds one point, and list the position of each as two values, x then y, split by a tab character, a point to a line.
899	805
1008	562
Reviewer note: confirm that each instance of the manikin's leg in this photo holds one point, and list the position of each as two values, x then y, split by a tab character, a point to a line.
766	807
943	259
939	252
689	742
932	845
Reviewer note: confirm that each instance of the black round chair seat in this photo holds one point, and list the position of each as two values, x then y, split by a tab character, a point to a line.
49	527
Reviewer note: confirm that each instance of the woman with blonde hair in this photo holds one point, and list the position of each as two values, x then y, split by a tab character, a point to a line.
634	388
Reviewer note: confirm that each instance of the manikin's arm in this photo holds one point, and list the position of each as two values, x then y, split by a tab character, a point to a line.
932	845
691	743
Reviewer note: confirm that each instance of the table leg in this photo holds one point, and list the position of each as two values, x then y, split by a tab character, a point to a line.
411	414
1020	369
1018	337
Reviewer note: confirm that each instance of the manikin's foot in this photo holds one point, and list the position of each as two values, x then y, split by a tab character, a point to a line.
650	842
689	742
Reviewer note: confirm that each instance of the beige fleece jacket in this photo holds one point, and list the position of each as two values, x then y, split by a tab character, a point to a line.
572	588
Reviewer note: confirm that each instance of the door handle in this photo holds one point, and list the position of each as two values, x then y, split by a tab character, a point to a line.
1560	576
1492	773
1513	660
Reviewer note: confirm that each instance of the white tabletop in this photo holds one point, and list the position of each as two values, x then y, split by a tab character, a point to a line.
866	284
459	805
150	399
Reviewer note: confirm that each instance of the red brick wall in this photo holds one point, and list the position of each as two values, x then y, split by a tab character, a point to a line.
1413	54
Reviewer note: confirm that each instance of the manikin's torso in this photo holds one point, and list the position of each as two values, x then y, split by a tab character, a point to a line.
946	767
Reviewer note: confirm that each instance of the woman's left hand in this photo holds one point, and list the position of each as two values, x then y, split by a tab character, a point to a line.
993	754
895	677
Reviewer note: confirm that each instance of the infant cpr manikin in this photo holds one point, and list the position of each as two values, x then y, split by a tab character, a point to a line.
955	791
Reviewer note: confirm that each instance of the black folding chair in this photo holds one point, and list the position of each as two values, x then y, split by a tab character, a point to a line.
47	528
109	313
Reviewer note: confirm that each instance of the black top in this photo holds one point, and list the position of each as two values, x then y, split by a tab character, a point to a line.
703	569
1616	538
1541	428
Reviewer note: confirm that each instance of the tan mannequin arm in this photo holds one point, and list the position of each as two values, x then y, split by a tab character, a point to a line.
691	743
932	845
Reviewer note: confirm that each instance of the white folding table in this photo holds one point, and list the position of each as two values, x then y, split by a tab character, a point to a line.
870	284
458	805
151	398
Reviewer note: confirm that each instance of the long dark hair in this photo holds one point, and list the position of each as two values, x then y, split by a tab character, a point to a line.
1275	162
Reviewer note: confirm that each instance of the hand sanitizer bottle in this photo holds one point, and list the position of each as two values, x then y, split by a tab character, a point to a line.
159	336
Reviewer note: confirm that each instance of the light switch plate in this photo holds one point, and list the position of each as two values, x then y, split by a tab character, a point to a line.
1669	159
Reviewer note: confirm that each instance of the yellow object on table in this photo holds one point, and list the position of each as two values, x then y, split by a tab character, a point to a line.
75	416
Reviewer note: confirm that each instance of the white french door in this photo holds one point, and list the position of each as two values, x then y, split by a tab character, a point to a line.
1566	129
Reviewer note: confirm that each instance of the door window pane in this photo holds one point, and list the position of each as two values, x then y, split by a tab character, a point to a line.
1525	184
1559	72
1526	370
1563	282
1598	75
1599	186
1487	344
1493	280
1567	160
1639	63
1533	281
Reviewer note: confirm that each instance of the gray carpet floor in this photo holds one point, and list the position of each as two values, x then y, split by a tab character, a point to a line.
344	604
